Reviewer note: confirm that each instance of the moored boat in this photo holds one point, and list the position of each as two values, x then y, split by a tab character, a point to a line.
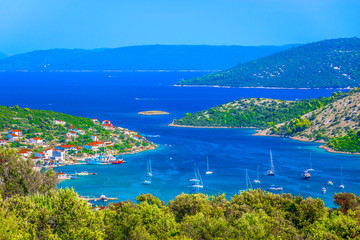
323	190
273	187
271	172
306	175
120	161
208	171
330	183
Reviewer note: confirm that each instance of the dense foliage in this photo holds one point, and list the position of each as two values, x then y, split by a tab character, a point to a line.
348	143
329	63
253	214
19	178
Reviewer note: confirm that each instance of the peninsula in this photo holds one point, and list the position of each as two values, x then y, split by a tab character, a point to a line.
51	138
332	120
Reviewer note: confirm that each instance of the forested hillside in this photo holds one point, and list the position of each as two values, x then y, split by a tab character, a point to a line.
329	63
31	208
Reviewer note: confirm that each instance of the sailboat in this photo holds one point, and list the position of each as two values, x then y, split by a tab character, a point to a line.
149	170
247	180
341	186
198	184
195	179
271	172
306	175
257	180
311	168
208	171
149	174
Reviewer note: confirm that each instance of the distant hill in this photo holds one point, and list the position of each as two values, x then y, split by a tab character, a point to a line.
151	57
328	63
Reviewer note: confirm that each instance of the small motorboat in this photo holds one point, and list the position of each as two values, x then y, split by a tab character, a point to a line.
120	161
306	175
323	190
330	183
341	186
273	187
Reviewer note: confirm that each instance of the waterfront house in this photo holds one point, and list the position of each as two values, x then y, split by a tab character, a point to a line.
2	142
94	120
57	155
71	134
66	147
106	122
36	141
12	137
95	138
17	132
59	122
25	153
94	146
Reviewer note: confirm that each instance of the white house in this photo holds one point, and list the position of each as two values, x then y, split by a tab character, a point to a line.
40	155
71	134
25	153
94	146
36	141
57	155
94	120
16	132
95	138
79	131
12	137
59	122
2	142
106	122
108	126
66	147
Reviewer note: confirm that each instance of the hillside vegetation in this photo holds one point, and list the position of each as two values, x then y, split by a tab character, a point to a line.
334	119
46	213
151	57
329	63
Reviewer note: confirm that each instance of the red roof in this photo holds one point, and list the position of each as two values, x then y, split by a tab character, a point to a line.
24	151
138	136
108	125
72	132
95	143
67	146
41	153
2	140
14	135
15	130
71	127
37	138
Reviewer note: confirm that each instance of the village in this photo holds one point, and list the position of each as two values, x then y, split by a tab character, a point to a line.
74	145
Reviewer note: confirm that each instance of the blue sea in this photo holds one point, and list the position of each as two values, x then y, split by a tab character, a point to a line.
119	96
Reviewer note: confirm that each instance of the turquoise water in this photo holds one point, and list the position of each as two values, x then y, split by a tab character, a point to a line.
230	151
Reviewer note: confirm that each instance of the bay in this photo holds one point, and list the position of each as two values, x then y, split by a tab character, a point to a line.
119	96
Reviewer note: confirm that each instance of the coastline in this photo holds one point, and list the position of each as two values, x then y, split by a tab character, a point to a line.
188	126
153	112
218	86
330	150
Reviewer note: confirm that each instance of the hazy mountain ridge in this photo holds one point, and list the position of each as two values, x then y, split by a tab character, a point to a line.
150	57
328	63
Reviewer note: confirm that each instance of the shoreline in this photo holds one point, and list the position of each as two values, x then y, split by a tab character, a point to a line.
218	86
153	112
330	150
188	126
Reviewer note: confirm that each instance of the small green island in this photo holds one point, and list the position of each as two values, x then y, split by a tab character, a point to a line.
332	120
153	112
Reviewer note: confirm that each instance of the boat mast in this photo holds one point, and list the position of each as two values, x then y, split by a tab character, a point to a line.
207	162
272	162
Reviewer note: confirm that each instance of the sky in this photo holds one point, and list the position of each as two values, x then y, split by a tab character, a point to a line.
28	25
